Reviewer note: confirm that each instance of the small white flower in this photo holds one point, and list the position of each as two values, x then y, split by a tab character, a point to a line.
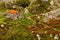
14	6
51	35
12	2
52	3
2	25
38	17
38	36
44	0
32	31
45	32
56	37
26	10
43	14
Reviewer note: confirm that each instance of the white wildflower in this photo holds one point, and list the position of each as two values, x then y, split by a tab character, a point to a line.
2	25
14	6
38	36
26	10
52	3
43	14
44	0
38	17
56	37
45	32
50	16
32	31
51	35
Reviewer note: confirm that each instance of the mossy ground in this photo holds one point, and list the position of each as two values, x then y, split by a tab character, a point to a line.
19	29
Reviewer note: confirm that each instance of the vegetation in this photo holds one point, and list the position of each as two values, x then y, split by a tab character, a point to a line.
33	20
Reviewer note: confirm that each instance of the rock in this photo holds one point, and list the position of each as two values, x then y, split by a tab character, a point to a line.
14	16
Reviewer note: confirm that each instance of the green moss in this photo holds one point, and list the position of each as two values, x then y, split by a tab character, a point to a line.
2	19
